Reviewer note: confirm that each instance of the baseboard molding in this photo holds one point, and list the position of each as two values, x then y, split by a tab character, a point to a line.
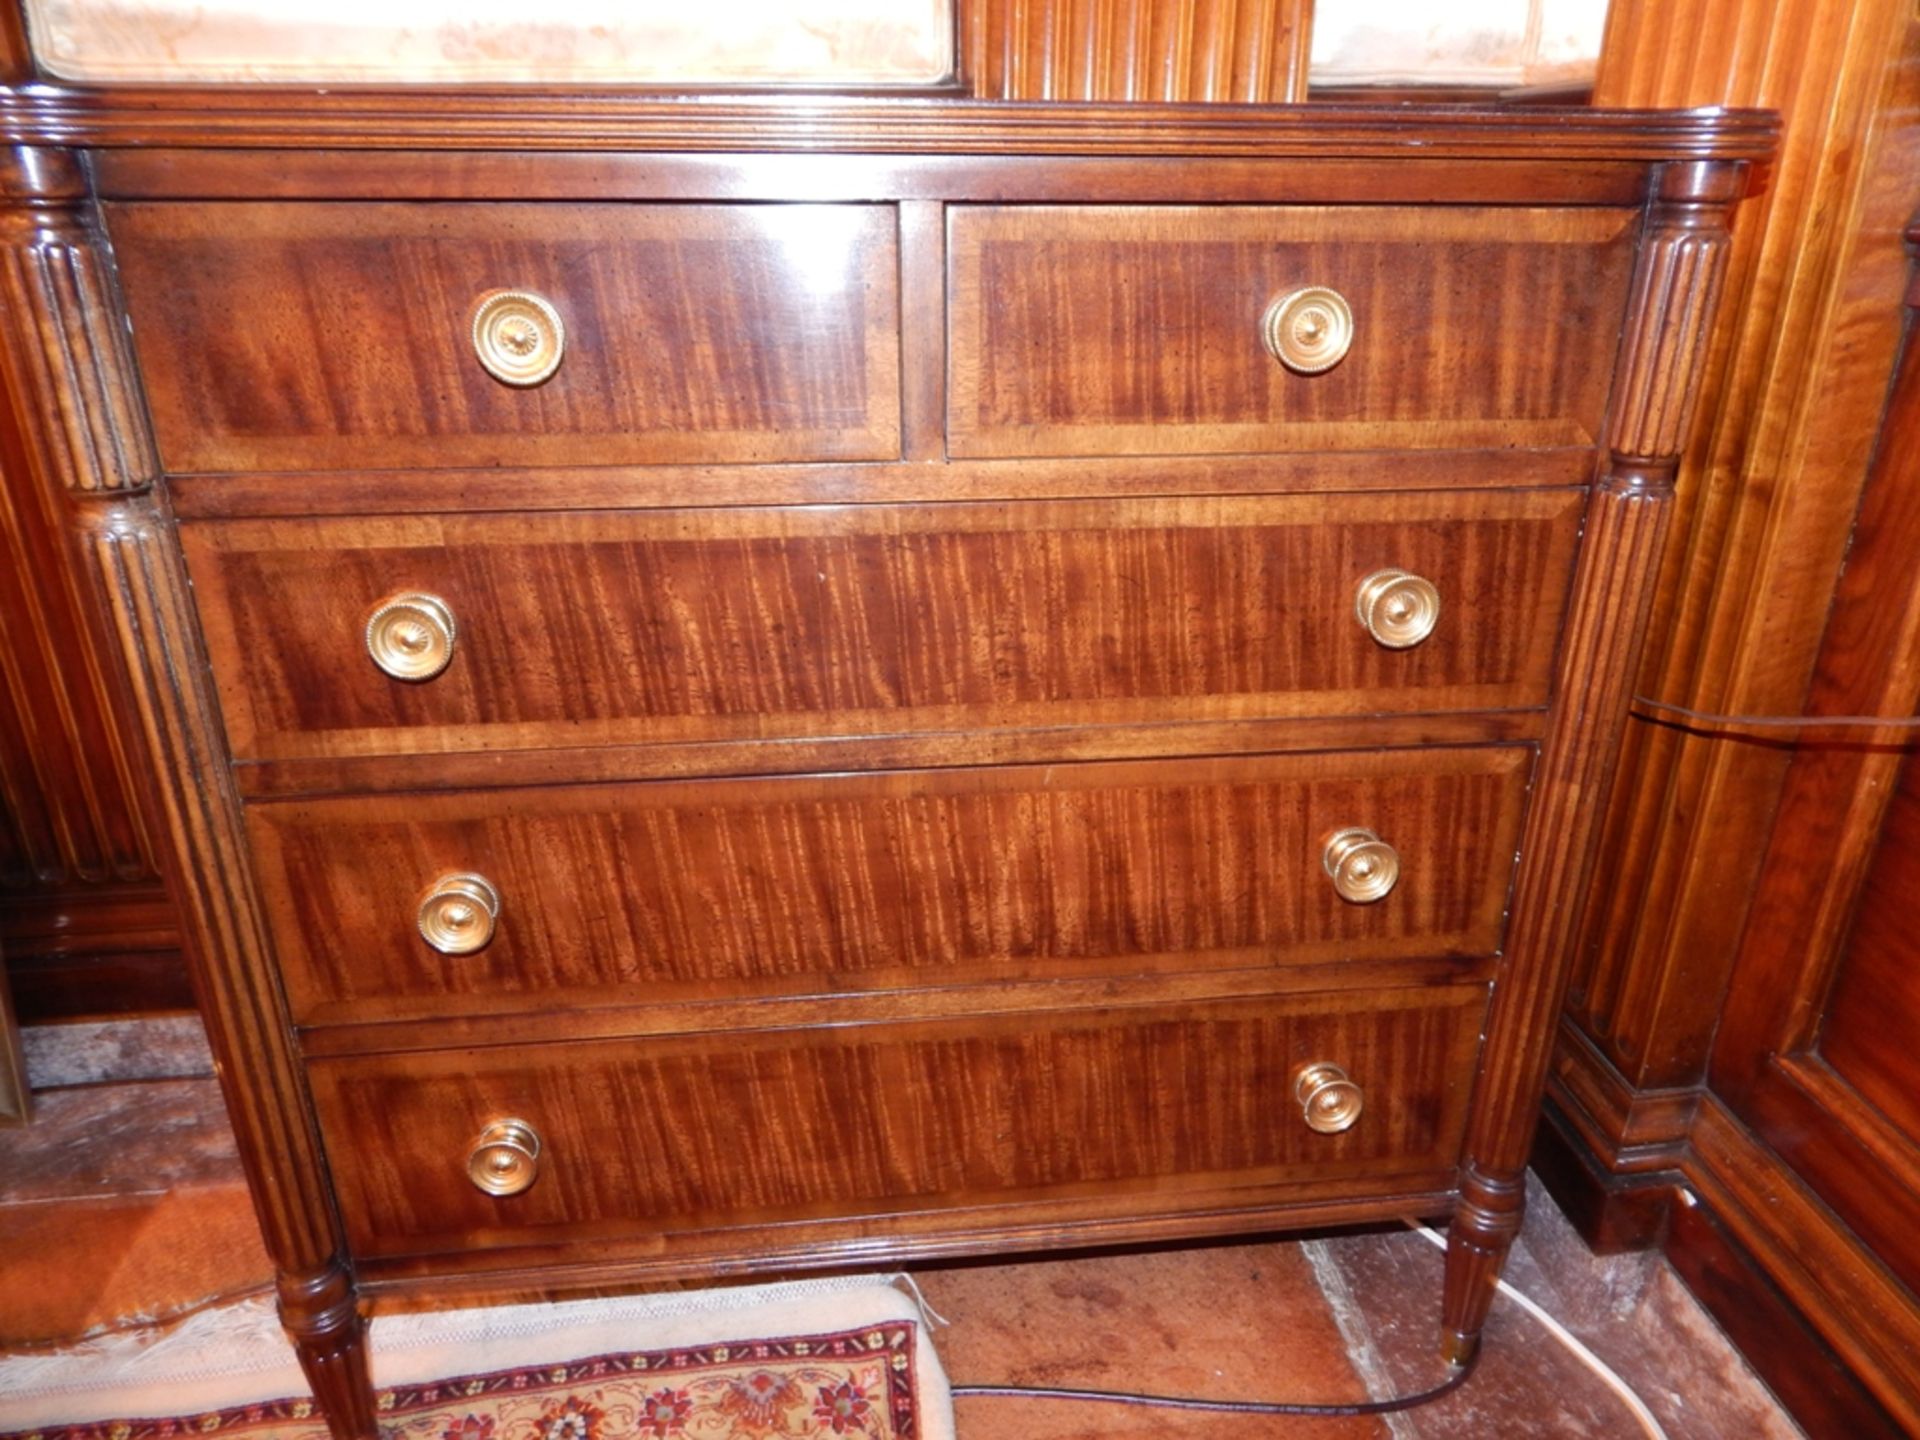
1612	1212
1801	1369
93	953
1811	1264
1630	1130
52	988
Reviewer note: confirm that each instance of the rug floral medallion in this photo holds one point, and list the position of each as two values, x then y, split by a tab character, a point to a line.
853	1383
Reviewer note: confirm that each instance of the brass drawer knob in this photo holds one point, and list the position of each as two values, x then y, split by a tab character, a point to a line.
1329	1101
457	914
518	336
411	636
1397	609
1363	867
506	1158
1309	330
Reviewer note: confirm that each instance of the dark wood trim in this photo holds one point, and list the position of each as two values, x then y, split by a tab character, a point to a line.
56	988
1825	1272
16	54
1801	1369
16	1104
1612	1212
410	173
257	116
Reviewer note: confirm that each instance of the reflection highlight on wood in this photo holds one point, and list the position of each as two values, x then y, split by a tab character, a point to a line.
678	1134
1096	330
714	888
708	332
680	626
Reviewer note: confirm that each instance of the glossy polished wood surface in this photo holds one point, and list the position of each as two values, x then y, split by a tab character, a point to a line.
811	885
654	627
1692	1051
1127	990
760	1128
1874	1010
320	337
84	916
1096	330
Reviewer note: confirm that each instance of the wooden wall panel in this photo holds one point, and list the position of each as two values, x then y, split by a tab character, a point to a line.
1764	501
1239	50
1688	1051
83	915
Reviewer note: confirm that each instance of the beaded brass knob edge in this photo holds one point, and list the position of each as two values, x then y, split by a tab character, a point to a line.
410	636
505	1159
518	336
1308	330
1329	1100
1362	866
1397	608
458	912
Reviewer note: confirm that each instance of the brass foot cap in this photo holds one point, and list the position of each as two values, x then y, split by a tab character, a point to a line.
1458	1349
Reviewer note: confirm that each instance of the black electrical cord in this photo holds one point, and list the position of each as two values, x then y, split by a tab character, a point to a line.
1649	709
1231	1407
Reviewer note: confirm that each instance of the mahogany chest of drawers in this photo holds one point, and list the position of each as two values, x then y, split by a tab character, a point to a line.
750	685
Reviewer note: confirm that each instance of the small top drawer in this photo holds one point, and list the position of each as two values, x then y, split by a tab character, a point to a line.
316	337
1140	330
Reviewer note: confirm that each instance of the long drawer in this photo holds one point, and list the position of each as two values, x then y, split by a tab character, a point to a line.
356	336
1132	330
670	891
646	627
1150	1109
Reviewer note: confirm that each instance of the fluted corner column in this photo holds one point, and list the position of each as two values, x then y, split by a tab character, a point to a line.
1682	262
75	395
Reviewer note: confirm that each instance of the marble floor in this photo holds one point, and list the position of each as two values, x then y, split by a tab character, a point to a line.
123	1205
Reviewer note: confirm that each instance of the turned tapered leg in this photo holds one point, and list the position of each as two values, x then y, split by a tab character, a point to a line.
328	1334
1663	353
1484	1226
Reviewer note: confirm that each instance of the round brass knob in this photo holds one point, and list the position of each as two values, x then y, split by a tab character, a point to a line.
518	336
1329	1101
1310	330
411	636
1362	865
1397	609
457	914
506	1158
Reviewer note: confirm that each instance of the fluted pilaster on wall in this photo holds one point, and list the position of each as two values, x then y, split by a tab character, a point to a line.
78	870
1763	501
1226	50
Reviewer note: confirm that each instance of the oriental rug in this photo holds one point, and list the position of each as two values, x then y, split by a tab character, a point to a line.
875	1379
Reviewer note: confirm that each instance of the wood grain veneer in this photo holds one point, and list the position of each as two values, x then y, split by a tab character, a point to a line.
313	337
712	889
690	626
742	1129
1007	1114
1102	331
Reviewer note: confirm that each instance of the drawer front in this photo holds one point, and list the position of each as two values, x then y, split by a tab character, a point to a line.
1109	330
700	626
667	1136
326	337
678	890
